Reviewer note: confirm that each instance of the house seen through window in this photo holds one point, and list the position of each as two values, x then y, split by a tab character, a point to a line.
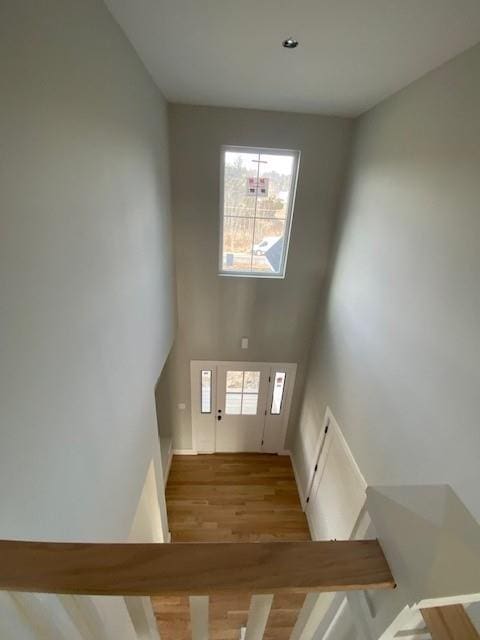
257	198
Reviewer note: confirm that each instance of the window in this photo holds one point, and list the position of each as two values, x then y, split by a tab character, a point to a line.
277	396
257	197
206	391
241	397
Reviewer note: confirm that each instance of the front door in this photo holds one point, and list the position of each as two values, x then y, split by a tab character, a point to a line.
241	405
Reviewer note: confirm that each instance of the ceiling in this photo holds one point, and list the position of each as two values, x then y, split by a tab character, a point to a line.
352	53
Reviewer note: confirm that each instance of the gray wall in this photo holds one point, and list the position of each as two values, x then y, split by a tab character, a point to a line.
215	312
397	349
86	272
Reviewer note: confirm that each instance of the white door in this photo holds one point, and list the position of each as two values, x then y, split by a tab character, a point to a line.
241	406
337	494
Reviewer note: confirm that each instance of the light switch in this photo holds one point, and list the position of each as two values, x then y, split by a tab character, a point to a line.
182	406
244	343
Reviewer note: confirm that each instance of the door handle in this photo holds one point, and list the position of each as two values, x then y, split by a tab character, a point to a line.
219	417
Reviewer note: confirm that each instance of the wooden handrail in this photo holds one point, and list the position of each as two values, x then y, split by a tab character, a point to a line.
184	568
450	622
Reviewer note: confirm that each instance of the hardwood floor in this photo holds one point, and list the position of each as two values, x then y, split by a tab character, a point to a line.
232	498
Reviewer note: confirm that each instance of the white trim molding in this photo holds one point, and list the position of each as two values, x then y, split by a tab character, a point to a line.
301	493
166	471
185	452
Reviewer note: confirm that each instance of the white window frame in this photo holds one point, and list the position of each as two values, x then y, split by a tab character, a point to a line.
291	203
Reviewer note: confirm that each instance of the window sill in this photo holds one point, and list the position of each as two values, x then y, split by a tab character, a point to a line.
240	274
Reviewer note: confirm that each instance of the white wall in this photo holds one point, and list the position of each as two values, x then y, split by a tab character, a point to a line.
86	289
215	312
397	349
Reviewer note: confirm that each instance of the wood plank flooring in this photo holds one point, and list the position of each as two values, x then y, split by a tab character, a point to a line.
232	498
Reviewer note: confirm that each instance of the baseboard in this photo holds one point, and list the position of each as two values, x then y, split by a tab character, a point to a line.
185	452
302	496
169	463
301	492
313	534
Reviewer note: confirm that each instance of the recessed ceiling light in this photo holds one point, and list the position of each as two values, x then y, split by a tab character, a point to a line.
290	43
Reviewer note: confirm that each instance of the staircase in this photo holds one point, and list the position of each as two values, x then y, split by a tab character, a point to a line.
426	539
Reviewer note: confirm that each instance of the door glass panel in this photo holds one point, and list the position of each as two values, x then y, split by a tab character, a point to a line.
277	397
251	382
206	391
233	404
241	395
234	381
249	404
